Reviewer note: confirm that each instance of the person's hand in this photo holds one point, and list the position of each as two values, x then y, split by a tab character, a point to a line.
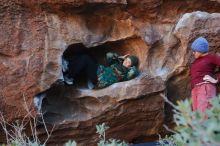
210	79
123	57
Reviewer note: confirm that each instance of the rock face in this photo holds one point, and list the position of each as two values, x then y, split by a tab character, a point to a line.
78	111
34	35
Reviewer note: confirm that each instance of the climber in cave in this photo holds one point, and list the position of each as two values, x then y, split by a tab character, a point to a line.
202	71
119	68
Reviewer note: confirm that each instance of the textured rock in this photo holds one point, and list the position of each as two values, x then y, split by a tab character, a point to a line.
34	35
199	23
216	1
136	102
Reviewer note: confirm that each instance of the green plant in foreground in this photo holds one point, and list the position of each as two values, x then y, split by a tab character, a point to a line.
195	128
70	143
100	129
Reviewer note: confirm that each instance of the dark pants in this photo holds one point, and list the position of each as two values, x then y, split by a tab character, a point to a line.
82	64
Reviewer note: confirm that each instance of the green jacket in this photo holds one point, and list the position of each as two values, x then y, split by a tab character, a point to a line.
114	72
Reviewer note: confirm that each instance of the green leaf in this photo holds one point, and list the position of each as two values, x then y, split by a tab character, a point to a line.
70	143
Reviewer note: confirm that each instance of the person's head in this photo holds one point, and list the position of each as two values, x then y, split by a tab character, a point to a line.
130	61
200	47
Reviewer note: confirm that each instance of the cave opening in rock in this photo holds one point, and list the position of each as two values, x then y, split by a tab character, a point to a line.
98	53
60	102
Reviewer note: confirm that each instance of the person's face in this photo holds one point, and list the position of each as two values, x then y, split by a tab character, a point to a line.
197	54
127	62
